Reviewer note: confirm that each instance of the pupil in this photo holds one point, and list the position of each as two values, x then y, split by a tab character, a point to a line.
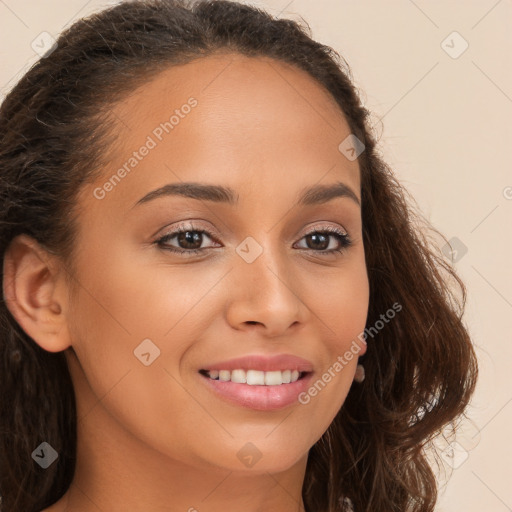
189	237
317	237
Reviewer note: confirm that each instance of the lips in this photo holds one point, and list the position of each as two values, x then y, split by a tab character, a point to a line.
280	362
265	383
259	397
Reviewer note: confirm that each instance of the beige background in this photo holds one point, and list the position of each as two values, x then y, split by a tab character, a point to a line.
446	131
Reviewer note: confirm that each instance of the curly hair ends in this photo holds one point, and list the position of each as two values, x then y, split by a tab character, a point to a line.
55	135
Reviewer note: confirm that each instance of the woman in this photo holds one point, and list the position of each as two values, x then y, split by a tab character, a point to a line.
216	294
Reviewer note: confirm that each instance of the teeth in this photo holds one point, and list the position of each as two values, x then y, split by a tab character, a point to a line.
224	375
237	376
273	378
255	377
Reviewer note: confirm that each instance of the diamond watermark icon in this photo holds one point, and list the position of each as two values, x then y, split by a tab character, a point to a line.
249	455
455	455
44	44
249	249
351	147
45	455
146	352
454	45
455	249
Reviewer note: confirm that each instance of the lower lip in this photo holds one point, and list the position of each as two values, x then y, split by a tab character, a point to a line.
259	397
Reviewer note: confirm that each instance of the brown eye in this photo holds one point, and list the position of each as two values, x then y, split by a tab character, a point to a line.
327	240
186	240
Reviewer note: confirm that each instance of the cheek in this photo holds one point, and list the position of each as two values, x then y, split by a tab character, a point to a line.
341	307
350	309
340	299
125	304
125	299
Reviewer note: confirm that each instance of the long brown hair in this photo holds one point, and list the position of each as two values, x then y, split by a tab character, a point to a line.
54	137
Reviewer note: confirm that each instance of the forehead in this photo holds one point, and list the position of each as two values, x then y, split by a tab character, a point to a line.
229	80
230	119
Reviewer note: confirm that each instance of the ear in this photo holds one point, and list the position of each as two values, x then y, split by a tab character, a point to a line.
35	293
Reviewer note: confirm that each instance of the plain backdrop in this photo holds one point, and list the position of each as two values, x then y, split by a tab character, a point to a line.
438	77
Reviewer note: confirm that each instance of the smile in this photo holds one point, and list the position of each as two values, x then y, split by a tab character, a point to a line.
255	377
262	391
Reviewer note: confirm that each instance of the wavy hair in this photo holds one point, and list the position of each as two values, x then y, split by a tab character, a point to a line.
55	135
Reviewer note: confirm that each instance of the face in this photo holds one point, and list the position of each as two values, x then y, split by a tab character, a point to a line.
260	269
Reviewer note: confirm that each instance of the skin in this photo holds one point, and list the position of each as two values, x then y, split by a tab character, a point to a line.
154	437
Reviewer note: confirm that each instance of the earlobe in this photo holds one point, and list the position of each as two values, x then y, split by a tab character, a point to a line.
34	293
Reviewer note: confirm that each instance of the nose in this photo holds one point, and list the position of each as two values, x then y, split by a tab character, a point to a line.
265	295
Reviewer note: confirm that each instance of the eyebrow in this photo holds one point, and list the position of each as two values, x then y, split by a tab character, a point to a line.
317	194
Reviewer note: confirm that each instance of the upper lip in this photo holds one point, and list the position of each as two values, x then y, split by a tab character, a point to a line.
264	363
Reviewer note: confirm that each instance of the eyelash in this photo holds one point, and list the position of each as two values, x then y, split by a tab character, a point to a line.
343	238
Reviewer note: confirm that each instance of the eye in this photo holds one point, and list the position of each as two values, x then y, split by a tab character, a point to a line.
317	240
189	240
